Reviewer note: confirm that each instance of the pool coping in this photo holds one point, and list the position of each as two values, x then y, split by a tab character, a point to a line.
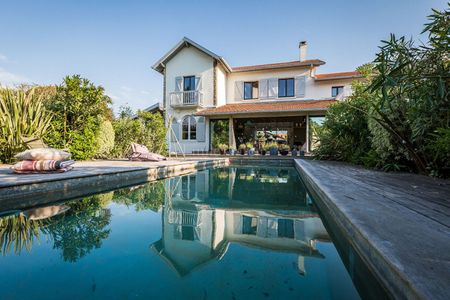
30	190
384	256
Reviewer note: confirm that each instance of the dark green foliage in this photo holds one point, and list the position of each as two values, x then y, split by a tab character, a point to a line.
345	133
148	196
220	133
406	109
83	229
78	108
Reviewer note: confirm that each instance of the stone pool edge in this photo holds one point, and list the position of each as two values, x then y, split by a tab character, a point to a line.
394	281
23	195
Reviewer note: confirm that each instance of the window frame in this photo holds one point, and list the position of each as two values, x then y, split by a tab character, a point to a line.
286	87
189	118
337	87
191	80
252	83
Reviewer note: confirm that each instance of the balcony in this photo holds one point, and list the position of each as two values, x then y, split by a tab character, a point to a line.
186	99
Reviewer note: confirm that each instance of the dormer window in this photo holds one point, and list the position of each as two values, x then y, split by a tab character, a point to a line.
250	90
336	90
286	87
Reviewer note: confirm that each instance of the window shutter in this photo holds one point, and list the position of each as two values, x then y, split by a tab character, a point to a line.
273	88
201	187
263	88
238	90
175	134
198	83
178	84
201	129
347	91
300	86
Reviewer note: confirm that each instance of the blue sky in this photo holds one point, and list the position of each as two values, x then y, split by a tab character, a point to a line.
114	43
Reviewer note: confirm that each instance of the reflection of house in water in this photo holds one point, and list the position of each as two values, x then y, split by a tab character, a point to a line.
206	211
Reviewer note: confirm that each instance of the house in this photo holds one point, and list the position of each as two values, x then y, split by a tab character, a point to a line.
276	101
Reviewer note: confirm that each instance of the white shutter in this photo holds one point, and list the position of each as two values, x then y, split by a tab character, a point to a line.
238	90
347	91
300	86
178	84
273	88
200	185
175	134
201	129
263	89
198	83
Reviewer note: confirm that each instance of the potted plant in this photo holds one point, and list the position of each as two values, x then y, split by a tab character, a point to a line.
242	148
273	148
294	151
250	148
223	148
284	149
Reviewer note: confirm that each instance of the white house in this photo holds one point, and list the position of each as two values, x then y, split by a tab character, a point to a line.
276	100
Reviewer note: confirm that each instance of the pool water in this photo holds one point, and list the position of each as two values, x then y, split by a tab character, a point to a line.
229	233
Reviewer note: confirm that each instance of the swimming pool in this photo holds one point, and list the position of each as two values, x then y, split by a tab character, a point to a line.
228	233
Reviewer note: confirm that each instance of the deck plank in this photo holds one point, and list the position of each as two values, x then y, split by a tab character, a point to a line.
399	223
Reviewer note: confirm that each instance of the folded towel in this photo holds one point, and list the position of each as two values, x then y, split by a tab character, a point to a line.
37	166
62	170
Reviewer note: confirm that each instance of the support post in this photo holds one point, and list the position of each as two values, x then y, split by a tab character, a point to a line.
307	133
231	136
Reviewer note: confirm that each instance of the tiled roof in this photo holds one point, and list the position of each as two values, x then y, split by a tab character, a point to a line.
352	74
267	107
288	64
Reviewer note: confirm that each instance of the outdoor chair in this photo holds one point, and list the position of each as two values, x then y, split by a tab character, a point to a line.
141	153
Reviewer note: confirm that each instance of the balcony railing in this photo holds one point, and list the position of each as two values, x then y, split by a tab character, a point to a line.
186	99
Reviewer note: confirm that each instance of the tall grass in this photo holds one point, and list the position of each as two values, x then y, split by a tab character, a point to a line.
22	113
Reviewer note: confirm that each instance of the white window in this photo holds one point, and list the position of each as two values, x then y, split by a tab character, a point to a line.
189	131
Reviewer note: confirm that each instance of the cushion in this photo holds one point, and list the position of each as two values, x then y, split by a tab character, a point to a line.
43	154
139	148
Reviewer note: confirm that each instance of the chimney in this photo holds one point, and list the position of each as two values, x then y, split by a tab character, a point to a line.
302	47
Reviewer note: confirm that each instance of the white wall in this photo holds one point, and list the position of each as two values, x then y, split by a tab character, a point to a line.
314	90
221	86
190	62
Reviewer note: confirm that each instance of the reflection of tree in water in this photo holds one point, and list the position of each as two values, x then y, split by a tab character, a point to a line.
78	231
83	227
17	234
144	197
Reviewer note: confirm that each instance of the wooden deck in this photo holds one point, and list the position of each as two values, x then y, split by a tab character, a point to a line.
398	223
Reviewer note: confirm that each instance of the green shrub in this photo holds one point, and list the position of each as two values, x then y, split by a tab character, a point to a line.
79	108
127	131
147	129
105	139
154	132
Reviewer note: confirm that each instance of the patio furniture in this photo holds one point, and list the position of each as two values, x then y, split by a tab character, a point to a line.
141	153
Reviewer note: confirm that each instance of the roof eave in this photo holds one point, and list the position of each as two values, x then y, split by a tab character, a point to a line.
338	77
310	64
160	64
260	112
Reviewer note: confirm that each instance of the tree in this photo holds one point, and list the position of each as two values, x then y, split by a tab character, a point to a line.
78	107
413	84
